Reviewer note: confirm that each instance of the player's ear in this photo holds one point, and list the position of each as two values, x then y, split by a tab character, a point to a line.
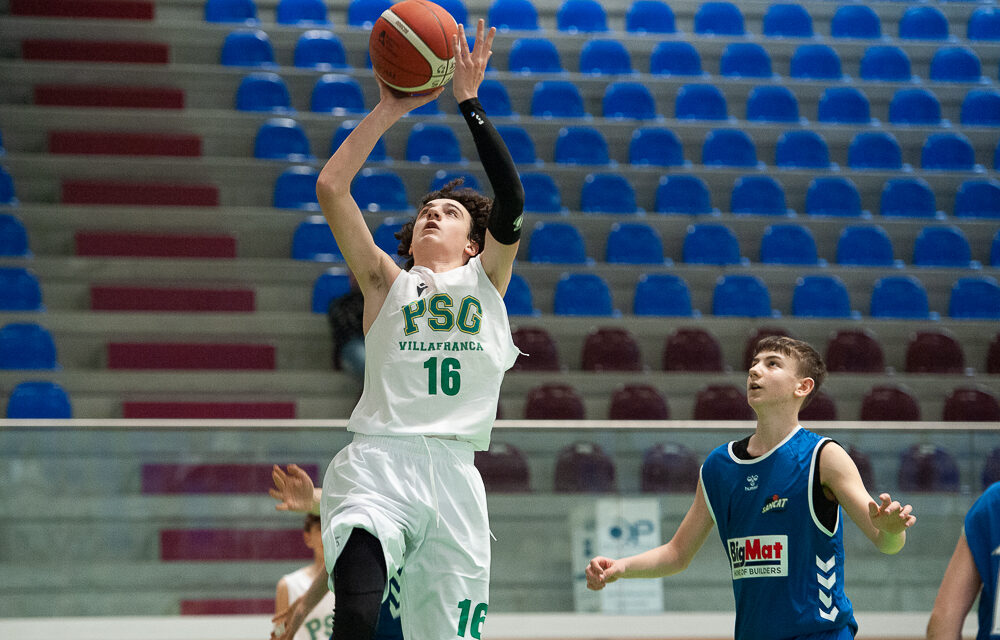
805	387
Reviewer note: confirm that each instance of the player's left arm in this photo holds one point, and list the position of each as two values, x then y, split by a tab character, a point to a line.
959	587
884	524
504	227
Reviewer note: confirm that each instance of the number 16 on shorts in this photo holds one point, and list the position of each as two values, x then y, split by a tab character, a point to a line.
471	619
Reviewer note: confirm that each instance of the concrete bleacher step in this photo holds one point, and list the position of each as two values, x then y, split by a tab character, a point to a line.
209	410
146	298
179	355
99	95
94	9
124	143
189	478
175	245
95	51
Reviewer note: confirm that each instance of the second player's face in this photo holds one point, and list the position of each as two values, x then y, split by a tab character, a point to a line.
443	221
772	376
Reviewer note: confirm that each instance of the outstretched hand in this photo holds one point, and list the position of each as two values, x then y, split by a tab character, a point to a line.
287	622
293	490
401	103
890	516
601	572
470	66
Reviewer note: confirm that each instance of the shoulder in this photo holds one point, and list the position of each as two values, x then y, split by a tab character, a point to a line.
718	456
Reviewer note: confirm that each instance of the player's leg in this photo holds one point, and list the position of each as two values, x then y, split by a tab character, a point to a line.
359	578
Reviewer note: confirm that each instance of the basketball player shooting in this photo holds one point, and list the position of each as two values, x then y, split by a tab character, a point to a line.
405	493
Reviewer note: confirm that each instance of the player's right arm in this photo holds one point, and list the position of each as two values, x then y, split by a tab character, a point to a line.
665	560
281	596
959	588
373	268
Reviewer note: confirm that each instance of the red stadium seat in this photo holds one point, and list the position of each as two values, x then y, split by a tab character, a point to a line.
101	9
638	402
118	143
927	467
856	351
669	468
971	405
539	349
154	245
85	95
722	402
139	193
504	469
210	410
821	407
190	355
583	467
135	298
934	352
199	545
889	403
95	51
554	402
611	349
228	607
163	478
692	349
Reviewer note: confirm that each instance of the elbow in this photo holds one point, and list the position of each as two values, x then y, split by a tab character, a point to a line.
328	186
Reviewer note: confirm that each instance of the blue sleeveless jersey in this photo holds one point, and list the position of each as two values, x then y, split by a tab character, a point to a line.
788	569
982	532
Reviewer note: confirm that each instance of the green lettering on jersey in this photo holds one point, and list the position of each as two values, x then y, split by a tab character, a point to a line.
411	312
442	319
470	316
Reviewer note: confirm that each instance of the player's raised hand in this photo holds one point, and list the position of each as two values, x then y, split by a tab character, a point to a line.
890	516
293	490
601	572
400	103
470	66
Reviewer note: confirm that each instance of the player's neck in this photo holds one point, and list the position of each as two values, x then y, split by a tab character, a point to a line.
439	264
772	427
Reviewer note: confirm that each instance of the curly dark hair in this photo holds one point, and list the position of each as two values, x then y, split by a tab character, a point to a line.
475	203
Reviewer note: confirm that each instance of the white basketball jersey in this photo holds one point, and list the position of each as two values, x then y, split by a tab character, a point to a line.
435	357
318	625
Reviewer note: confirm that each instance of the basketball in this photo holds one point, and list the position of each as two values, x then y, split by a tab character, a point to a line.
410	46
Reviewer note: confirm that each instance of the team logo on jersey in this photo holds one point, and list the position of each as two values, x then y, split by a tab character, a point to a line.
421	287
758	556
774	503
751	483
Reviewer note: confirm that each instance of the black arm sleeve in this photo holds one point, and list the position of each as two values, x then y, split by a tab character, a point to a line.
508	194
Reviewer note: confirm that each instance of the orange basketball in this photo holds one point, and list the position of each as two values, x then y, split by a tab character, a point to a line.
410	46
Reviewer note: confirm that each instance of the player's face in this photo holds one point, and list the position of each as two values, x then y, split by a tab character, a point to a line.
443	222
772	377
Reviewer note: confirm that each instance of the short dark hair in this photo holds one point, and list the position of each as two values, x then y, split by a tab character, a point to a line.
474	202
311	520
811	364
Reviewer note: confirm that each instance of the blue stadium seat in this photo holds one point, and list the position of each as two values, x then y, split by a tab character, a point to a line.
581	16
338	94
758	195
955	64
788	244
874	150
984	24
39	400
833	196
675	58
741	295
364	13
923	23
649	16
8	196
319	49
263	91
378	153
978	199
975	298
927	468
772	103
843	105
823	296
534	55
815	62
247	48
281	139
683	194
19	290
655	146
329	286
299	12
628	100
902	297
443	177
519	143
909	198
942	247
494	98
557	99
583	294
981	108
711	244
607	193
865	246
662	294
518	298
379	190
556	242
581	145
634	244
513	15
244	11
295	188
385	235
787	21
432	143
457	10
13	236
541	194
27	346
728	148
885	62
855	21
314	241
947	152
605	57
802	149
915	106
745	60
718	18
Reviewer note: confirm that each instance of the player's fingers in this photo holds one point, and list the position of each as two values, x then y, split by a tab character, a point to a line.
886	499
894	508
905	511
